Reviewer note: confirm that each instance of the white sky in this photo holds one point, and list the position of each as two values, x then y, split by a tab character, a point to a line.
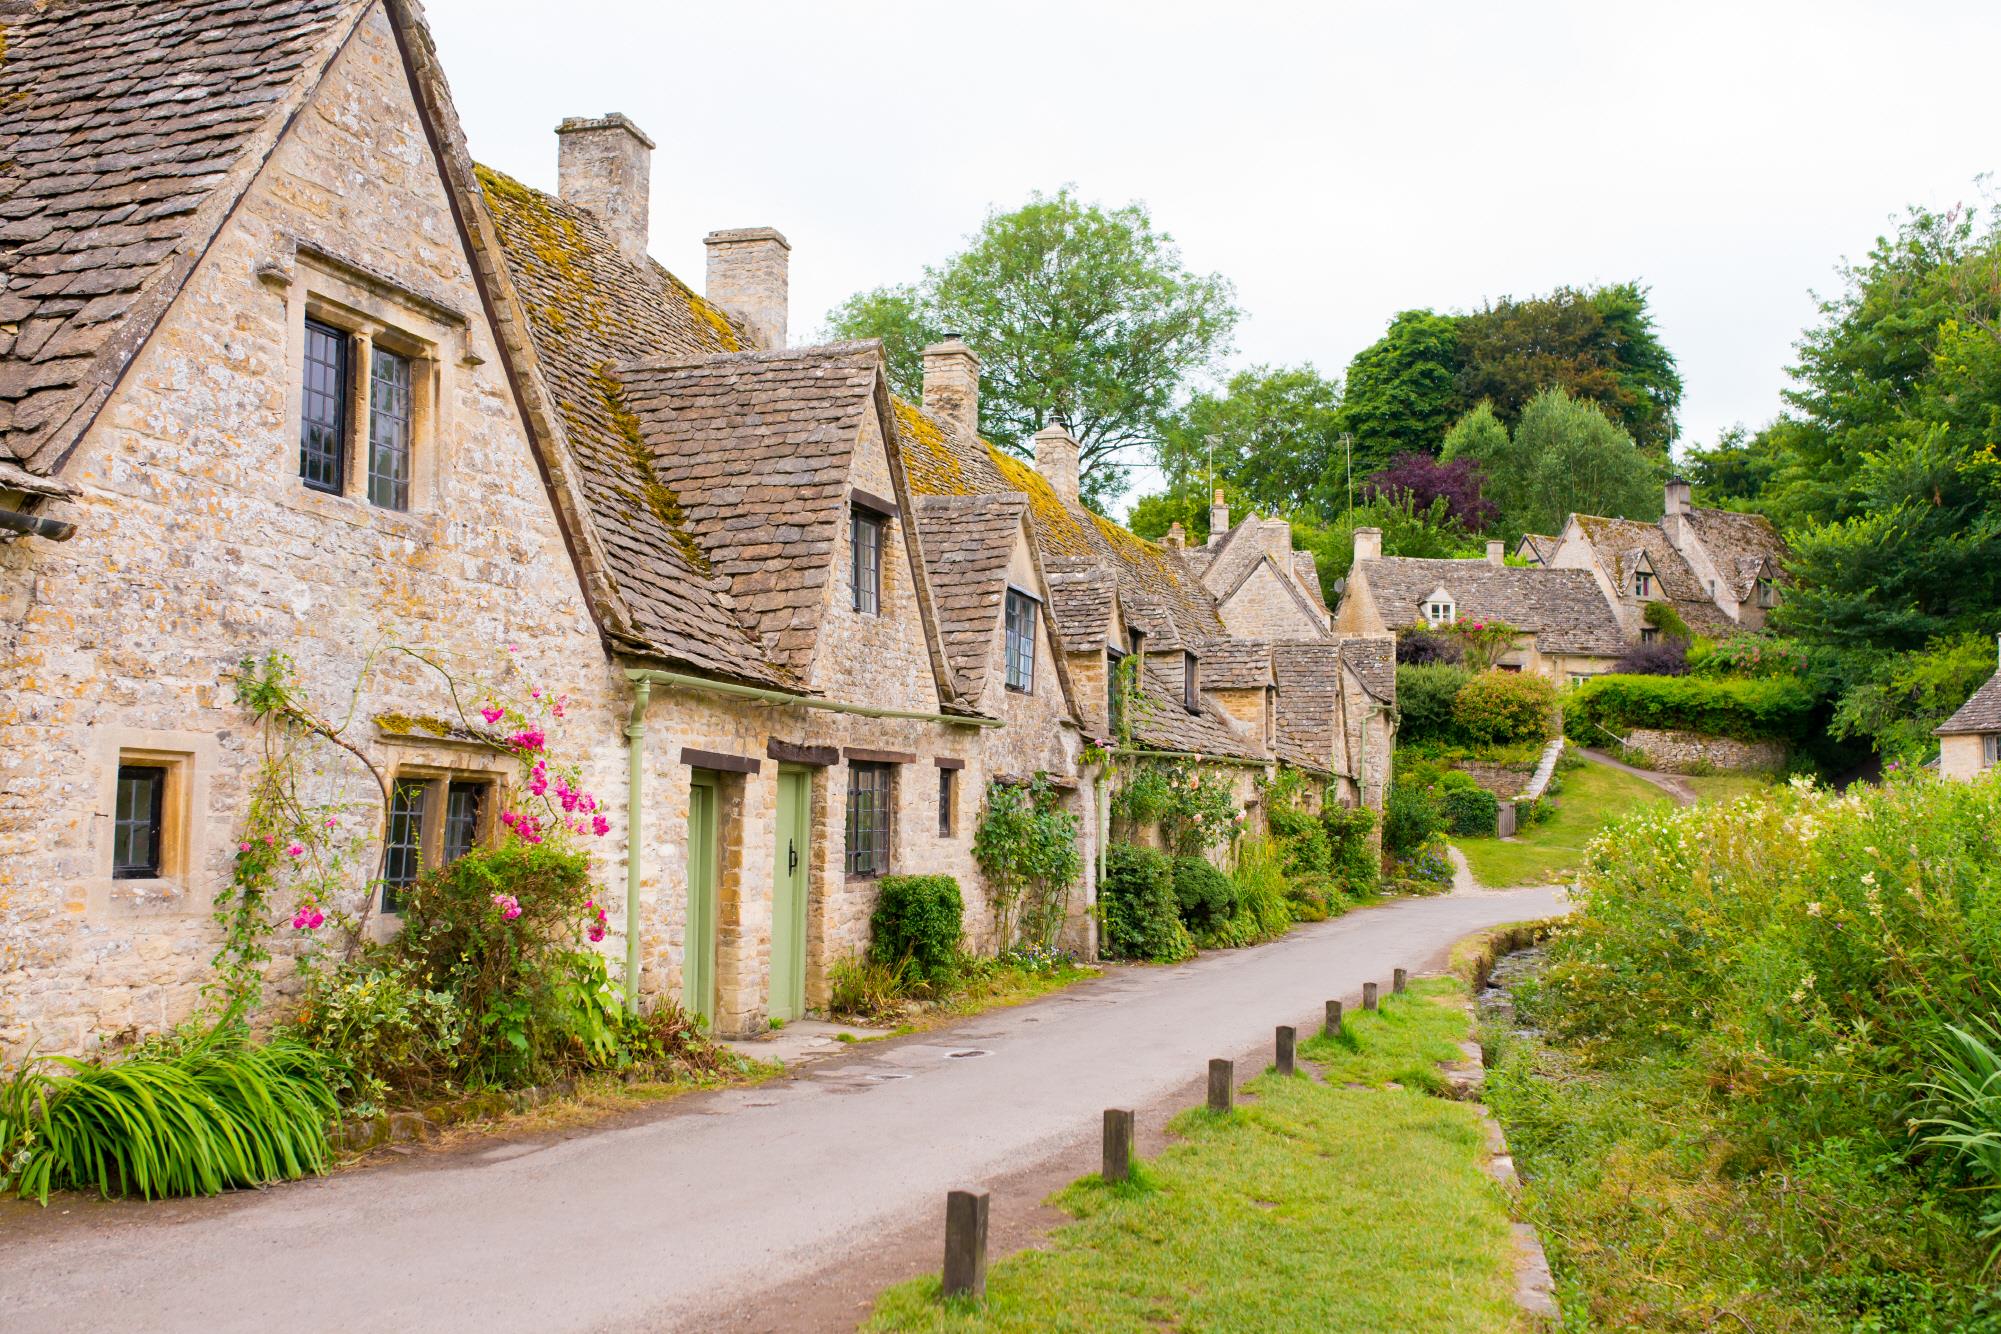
1337	162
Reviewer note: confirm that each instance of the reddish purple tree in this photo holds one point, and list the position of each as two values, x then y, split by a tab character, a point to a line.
1425	479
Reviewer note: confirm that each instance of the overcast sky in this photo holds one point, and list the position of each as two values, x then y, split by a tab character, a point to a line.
1338	163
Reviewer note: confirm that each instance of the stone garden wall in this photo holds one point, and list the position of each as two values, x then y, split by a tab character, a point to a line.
1694	753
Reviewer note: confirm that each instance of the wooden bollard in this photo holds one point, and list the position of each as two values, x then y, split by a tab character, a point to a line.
966	1244
1332	1028
1118	1145
1368	995
1398	980
1286	1035
1222	1086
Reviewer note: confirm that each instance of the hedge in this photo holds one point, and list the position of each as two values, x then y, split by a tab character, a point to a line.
1472	812
1140	915
1206	897
1503	708
1424	701
1758	709
919	918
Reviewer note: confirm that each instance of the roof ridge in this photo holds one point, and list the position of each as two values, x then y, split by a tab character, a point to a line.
819	351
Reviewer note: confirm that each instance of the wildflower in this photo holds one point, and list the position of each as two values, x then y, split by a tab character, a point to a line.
330	822
600	826
295	850
1868	877
243	847
1813	910
492	714
536	693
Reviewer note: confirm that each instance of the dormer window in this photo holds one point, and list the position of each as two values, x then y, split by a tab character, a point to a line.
366	396
1020	636
1439	611
1767	593
1643	584
1191	698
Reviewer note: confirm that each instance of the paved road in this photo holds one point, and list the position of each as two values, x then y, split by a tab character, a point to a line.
677	1218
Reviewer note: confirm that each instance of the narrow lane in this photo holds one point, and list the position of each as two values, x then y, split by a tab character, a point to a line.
670	1220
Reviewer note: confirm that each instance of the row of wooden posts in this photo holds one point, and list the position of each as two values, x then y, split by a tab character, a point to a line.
966	1210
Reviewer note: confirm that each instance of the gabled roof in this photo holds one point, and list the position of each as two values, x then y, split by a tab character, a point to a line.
1620	543
967	543
1159	721
758	448
1306	570
1563	608
1741	545
1234	556
1982	713
1309	700
1373	659
1082	594
128	130
1538	547
1229	663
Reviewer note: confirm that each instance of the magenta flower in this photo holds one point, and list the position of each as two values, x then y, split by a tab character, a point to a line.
295	850
243	847
510	907
530	739
492	714
536	693
600	826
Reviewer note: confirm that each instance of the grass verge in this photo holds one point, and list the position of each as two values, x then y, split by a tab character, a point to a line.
994	985
1592	798
1727	787
1317	1206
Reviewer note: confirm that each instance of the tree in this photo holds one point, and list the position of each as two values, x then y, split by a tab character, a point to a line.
1425	479
1400	395
1277	439
1080	315
1733	473
1563	456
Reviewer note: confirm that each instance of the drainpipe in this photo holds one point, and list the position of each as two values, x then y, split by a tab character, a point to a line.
635	778
34	525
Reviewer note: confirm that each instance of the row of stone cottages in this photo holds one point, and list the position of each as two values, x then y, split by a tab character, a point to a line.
281	369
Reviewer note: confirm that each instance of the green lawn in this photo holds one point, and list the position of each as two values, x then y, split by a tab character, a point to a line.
1313	1207
1591	798
1727	787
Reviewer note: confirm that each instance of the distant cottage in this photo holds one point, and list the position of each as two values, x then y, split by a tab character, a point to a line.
1969	742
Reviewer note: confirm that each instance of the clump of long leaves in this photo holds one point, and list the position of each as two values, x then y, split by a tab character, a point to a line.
1966	1106
189	1114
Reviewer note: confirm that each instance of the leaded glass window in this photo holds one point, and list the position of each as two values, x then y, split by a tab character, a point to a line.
1020	641
865	562
462	810
868	818
323	409
946	786
403	859
138	824
389	415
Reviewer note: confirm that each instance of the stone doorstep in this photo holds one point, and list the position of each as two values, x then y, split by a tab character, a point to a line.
800	1042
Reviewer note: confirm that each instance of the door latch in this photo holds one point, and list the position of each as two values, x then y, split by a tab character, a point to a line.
791	856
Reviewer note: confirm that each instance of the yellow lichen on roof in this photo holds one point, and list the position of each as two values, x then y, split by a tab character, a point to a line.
555	241
1058	526
927	456
709	315
647	489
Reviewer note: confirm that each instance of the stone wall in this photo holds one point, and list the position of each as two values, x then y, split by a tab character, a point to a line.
1692	752
1267	606
1962	755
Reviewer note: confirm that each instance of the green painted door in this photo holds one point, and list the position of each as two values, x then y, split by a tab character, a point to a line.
698	969
788	895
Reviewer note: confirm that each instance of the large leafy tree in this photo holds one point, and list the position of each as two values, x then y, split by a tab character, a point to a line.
1080	315
1273	433
1400	395
1563	456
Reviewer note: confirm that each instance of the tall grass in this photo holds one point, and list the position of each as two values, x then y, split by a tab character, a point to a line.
188	1115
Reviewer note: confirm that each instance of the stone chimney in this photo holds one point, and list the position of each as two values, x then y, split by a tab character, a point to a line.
1497	553
952	384
1276	535
748	277
1677	495
1177	537
602	164
1219	517
1368	544
1056	460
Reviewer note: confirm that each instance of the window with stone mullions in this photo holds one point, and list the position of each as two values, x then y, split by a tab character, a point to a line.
868	819
462	805
389	414
403	858
865	561
323	409
1020	641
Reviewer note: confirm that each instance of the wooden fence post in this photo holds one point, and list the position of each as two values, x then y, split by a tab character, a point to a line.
1286	1036
1118	1145
1332	1028
966	1244
1368	995
1222	1086
1399	980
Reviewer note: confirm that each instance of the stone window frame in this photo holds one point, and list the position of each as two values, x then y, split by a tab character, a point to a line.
948	801
190	760
881	854
1440	612
1018	640
437	778
1191	682
1990	749
865	595
374	313
1643	584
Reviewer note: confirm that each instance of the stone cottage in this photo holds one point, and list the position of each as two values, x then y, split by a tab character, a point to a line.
1969	742
282	370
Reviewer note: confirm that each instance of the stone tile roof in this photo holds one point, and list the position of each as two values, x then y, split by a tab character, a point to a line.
1229	663
1564	608
758	448
1373	659
1538	547
589	310
967	543
1081	593
128	129
1982	713
1742	545
1309	700
1160	722
1619	543
1232	559
1306	570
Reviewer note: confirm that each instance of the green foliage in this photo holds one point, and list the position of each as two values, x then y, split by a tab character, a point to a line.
1430	534
1261	913
1483	643
1193	806
1757	709
1412	818
862	986
192	1113
1734	473
1400	394
1204	896
382	1031
1026	845
1965	1107
1352	860
1747	655
1895	701
1080	314
1661	615
1276	444
1471	812
1424	701
1563	456
1503	708
1141	917
919	919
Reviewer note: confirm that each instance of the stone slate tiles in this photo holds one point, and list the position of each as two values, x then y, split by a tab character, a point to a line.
1564	608
1159	721
1309	700
1742	545
1081	592
1619	543
119	121
967	543
1229	663
1982	713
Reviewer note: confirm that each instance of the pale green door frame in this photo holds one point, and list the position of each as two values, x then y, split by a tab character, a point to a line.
790	863
698	967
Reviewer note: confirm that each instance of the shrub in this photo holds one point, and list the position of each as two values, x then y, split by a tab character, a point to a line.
1418	647
862	987
1141	919
1504	707
381	1030
1748	655
918	918
1260	892
1471	811
188	1114
1532	811
1426	871
1663	617
1355	865
1762	709
1204	895
1425	696
1411	819
1309	899
1663	657
1026	845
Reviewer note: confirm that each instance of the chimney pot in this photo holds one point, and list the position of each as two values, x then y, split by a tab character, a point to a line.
952	384
1219	517
1676	497
1056	460
1368	544
749	277
603	164
1177	536
1497	553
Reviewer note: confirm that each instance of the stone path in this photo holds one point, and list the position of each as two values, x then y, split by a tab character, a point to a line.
739	1209
1681	793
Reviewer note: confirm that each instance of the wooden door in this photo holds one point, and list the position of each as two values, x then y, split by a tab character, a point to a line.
698	968
788	894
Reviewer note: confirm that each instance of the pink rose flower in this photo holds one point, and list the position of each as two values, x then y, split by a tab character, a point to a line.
295	850
600	826
492	714
243	847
